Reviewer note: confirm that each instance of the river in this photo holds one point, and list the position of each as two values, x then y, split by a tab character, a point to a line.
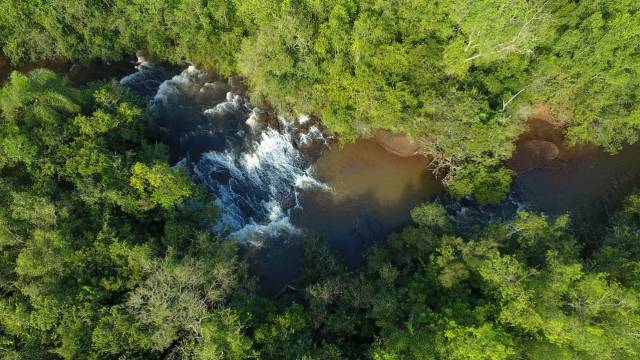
279	178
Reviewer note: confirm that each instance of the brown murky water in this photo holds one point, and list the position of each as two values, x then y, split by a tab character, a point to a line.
372	194
589	187
583	181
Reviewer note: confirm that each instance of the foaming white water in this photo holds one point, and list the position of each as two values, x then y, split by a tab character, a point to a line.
178	86
253	122
254	171
468	213
303	119
147	78
255	233
143	65
314	133
233	102
308	182
260	185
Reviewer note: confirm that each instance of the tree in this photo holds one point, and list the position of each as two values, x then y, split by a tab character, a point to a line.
90	215
619	254
589	77
492	30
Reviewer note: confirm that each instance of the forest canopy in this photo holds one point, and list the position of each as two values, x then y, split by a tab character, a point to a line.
107	254
106	251
459	77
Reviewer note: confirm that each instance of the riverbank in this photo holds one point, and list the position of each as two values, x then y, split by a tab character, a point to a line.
374	182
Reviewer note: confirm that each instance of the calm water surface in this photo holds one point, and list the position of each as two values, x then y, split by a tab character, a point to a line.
372	194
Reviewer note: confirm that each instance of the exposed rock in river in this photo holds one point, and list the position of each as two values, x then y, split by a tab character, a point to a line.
542	128
395	143
238	86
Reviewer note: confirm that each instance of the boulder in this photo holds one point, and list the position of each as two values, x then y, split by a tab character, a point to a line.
215	91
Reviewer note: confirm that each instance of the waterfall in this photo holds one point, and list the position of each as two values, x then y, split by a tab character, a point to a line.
254	168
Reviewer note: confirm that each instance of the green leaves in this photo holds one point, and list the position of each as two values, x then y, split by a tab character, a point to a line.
37	211
39	96
178	297
89	212
284	335
456	76
491	295
481	343
431	215
620	252
493	30
159	185
487	185
590	77
280	64
101	255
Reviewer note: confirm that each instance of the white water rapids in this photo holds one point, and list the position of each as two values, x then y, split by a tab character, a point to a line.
255	170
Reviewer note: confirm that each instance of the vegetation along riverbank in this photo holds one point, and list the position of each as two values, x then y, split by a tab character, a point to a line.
110	248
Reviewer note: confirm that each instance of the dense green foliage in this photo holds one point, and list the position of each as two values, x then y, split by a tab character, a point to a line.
102	254
106	254
513	290
458	76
